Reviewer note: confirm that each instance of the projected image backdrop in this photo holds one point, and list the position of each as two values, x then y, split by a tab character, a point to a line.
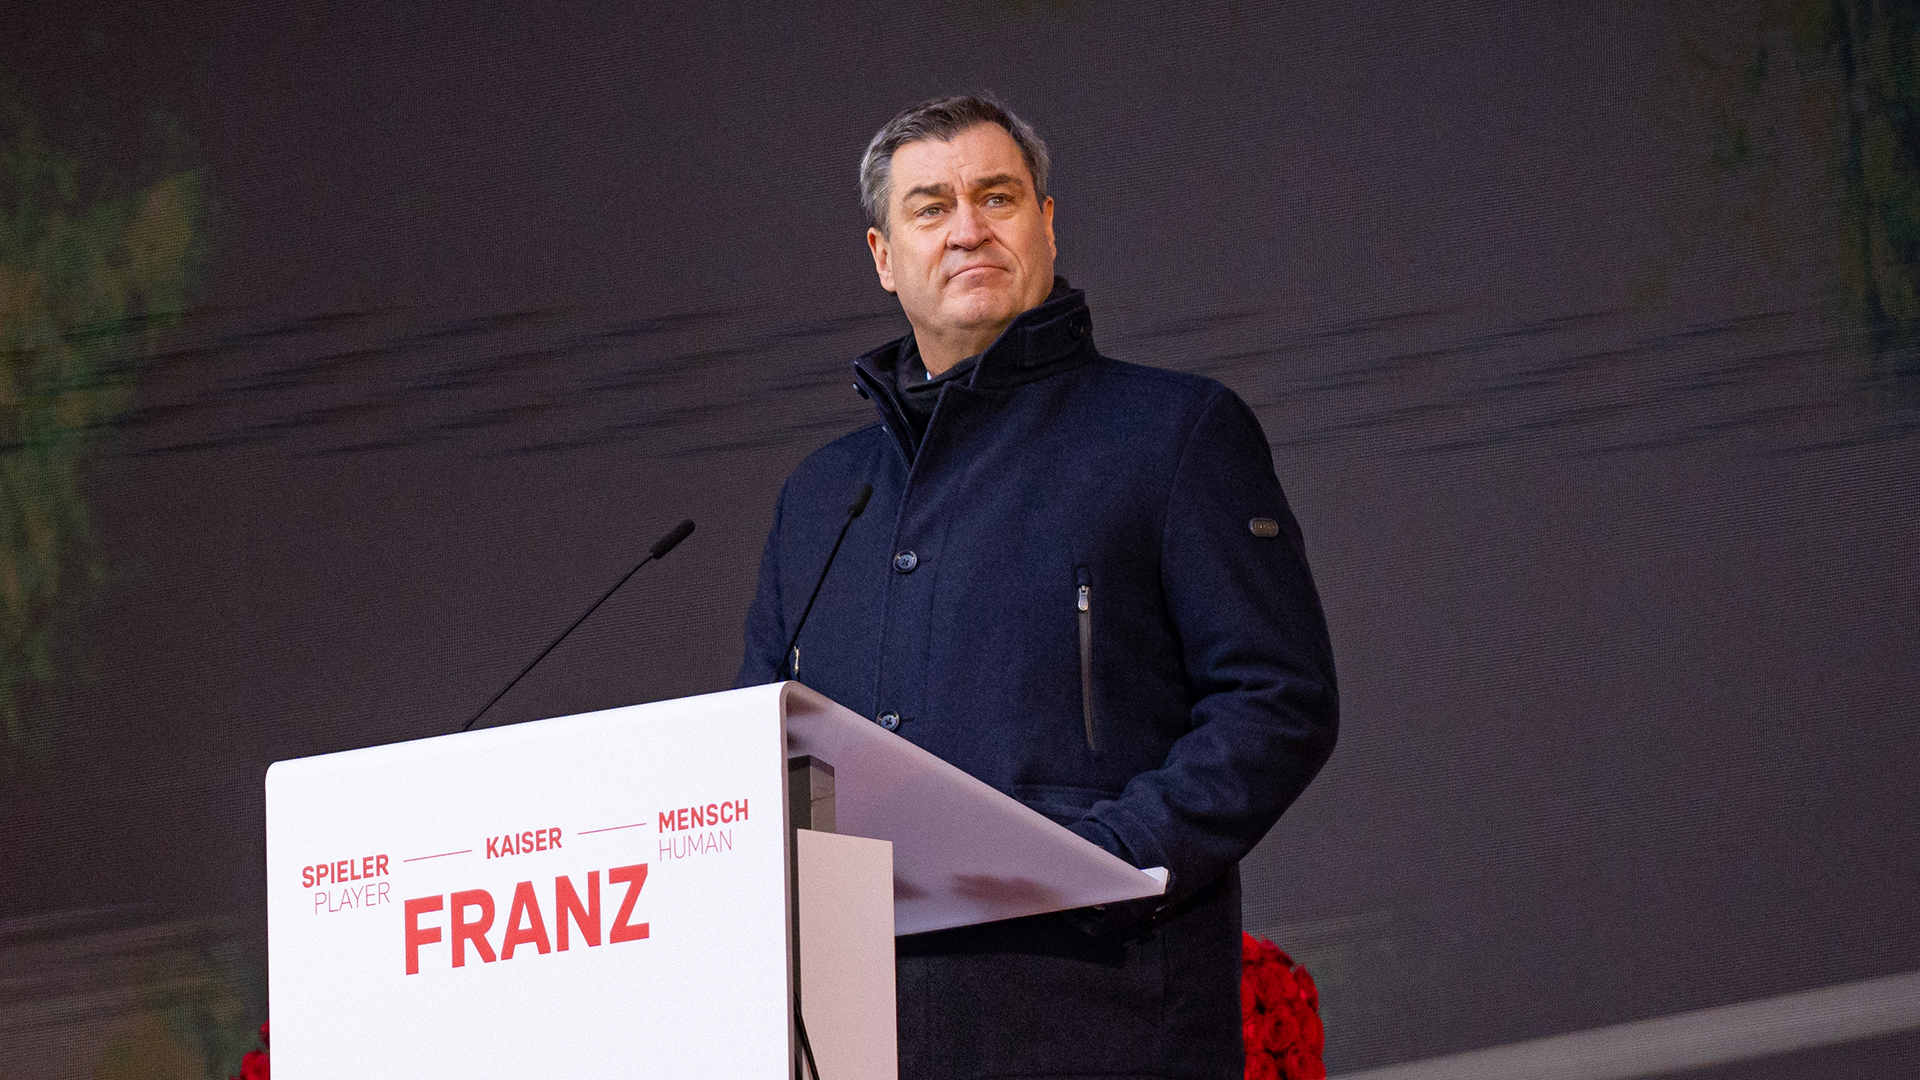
348	351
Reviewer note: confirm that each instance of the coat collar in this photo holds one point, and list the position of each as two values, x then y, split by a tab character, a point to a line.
1056	336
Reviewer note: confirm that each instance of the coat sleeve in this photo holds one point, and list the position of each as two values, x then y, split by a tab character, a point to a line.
766	627
1254	643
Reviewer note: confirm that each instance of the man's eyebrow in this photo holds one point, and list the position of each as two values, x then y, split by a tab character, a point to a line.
999	180
937	191
945	191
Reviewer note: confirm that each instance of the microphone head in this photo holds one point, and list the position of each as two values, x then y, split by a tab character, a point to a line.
671	540
859	505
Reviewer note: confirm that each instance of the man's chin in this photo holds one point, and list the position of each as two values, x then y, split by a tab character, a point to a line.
983	308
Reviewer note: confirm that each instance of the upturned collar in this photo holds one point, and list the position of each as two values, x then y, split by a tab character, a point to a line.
1054	336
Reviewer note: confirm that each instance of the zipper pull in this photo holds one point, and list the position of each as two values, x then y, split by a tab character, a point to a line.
1084	601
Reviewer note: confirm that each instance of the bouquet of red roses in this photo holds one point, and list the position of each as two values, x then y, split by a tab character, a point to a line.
254	1065
1279	1015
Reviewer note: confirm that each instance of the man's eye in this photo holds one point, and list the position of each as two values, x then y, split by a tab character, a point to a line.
928	211
998	200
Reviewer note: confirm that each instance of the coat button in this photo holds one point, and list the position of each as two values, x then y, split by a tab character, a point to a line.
905	562
889	720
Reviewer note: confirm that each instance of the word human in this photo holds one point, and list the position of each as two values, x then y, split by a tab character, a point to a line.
499	847
689	844
470	918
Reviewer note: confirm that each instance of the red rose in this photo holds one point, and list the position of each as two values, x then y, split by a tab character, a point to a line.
1314	1035
1299	1064
1255	950
1262	1067
1275	984
1254	1034
1291	1028
1305	982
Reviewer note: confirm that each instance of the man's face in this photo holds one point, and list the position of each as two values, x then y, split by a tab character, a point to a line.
968	245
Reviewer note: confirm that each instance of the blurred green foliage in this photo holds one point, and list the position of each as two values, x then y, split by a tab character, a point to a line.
190	1019
96	259
1844	74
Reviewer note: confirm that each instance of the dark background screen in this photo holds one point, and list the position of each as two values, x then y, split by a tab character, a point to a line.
1584	337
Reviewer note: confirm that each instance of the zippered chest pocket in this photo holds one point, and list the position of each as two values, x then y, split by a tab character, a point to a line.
1083	608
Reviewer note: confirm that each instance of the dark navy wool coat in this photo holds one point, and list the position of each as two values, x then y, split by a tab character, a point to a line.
1084	587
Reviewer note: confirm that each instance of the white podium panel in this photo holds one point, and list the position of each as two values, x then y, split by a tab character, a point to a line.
600	895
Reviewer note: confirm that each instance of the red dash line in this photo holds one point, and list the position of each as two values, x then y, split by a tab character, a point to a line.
614	828
442	855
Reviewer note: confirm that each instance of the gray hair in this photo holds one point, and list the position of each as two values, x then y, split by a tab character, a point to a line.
940	120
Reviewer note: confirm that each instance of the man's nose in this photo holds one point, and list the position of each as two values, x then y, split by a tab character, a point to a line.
968	229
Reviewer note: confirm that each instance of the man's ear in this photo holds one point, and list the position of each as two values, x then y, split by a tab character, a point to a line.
882	257
1046	211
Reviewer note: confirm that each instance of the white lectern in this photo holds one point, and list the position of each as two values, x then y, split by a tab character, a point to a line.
617	894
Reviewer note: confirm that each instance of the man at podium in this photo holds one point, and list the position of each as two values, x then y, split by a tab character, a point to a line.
1076	579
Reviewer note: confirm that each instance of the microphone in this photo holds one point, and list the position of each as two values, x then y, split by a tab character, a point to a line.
789	662
657	551
665	544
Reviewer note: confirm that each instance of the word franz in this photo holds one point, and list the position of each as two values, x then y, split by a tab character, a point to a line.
470	917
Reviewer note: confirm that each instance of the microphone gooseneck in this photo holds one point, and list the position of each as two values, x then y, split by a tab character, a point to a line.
789	666
658	551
